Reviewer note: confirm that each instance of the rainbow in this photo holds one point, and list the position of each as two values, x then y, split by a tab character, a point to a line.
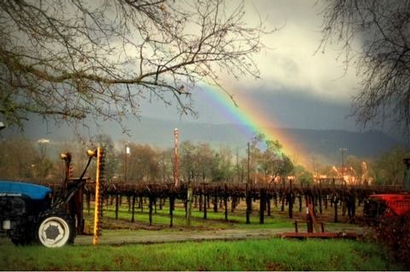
252	119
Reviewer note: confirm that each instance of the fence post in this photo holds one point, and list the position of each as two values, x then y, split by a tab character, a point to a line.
205	201
171	208
226	201
133	207
248	204
150	203
189	195
262	205
116	206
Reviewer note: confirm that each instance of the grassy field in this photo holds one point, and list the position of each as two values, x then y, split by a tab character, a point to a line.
272	254
262	254
215	220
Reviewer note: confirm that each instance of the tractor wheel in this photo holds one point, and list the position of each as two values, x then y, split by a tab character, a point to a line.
55	231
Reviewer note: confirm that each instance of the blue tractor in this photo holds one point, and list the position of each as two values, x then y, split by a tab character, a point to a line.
27	215
31	213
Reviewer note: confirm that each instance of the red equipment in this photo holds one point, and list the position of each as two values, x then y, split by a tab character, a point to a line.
390	204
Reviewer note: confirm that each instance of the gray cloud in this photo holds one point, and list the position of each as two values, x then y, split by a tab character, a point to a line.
291	63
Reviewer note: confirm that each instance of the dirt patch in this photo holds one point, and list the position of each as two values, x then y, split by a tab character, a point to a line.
123	224
274	267
121	237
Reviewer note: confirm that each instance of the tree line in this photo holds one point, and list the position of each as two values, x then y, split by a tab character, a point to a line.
264	163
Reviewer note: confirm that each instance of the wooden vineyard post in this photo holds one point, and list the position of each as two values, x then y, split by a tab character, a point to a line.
129	202
320	201
282	199
205	201
116	206
343	199
171	204
150	203
335	201
133	208
215	202
291	200
216	199
226	201
141	204
189	203
268	203
171	208
201	200
99	178
248	204
262	206
234	201
309	215
351	205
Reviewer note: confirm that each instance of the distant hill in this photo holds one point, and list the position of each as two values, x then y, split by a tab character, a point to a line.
322	144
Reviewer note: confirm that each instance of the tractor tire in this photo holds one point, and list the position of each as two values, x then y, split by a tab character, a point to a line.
55	231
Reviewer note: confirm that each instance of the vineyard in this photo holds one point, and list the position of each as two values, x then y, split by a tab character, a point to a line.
340	202
125	210
329	203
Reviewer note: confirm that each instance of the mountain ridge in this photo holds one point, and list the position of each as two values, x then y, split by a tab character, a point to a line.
322	145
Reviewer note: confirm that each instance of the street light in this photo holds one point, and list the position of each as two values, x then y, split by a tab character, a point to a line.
42	142
176	157
343	150
127	153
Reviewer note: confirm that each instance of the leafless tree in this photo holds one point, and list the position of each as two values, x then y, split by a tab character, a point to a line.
71	59
382	29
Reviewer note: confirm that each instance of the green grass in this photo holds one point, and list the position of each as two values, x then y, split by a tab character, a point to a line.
215	220
273	254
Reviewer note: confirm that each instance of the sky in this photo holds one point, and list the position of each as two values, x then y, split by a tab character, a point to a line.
299	87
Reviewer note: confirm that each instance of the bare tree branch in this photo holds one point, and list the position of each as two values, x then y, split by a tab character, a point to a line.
383	30
69	60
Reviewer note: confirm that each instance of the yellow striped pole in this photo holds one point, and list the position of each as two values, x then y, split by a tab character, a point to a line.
97	205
